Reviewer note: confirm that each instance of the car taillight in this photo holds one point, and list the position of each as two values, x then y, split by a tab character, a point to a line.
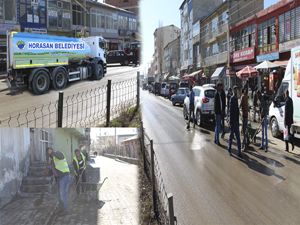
205	100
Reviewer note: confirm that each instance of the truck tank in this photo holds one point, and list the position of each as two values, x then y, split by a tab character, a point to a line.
29	50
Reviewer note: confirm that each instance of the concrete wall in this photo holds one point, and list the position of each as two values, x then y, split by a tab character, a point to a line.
14	161
66	140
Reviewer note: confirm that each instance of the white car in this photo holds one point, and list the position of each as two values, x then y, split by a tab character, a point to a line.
162	88
204	104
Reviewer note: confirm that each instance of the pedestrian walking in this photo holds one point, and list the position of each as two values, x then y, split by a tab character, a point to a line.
191	107
218	108
62	171
288	120
264	120
245	110
229	95
234	121
223	99
257	105
79	164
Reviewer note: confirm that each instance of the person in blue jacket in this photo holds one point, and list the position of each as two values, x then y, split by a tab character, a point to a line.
191	107
234	121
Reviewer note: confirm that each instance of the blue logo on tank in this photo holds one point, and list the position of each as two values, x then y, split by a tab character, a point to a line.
21	44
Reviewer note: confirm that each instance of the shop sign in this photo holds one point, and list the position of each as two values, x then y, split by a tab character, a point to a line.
242	55
269	57
287	46
230	72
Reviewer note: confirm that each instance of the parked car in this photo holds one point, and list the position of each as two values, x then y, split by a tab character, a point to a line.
179	96
173	89
204	104
157	88
184	84
118	56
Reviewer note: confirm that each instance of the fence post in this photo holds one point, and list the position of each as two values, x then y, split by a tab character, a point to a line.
138	90
171	209
153	180
60	109
143	146
108	99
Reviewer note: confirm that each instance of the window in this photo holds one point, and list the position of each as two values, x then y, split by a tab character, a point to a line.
266	36
77	13
7	10
59	14
289	28
44	140
197	92
244	38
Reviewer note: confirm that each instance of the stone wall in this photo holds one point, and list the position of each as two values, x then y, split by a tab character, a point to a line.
14	161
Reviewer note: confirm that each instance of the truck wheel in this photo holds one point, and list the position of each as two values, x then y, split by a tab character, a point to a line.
59	78
275	128
97	71
40	82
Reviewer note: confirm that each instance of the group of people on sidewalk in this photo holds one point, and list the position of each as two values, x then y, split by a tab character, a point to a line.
228	107
59	168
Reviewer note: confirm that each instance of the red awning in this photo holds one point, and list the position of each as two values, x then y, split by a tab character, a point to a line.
247	72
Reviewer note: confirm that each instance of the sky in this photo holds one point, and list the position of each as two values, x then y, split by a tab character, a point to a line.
151	13
166	11
110	131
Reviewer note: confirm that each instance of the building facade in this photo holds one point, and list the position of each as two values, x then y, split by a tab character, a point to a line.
268	35
130	5
68	18
171	65
190	12
213	42
162	36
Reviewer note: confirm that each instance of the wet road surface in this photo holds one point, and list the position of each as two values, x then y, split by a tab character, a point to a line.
209	186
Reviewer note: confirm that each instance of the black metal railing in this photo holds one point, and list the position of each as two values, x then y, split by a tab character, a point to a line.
91	107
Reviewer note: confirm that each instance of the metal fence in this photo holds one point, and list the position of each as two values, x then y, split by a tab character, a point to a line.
162	201
87	108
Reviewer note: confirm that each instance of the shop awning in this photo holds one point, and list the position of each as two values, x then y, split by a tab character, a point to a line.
219	72
191	75
247	72
281	63
266	65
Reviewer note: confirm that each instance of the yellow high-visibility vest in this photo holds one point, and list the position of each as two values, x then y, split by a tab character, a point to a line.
61	164
77	164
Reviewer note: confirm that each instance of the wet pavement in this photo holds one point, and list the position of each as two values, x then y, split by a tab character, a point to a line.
209	186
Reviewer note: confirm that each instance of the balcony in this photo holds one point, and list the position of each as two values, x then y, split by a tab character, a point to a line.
211	36
215	59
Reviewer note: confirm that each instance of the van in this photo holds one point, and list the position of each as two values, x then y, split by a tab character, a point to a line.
291	81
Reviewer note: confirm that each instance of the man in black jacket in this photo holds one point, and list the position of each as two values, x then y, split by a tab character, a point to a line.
288	120
218	108
234	122
223	99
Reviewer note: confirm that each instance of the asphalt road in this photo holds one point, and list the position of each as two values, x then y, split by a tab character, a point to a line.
208	185
13	104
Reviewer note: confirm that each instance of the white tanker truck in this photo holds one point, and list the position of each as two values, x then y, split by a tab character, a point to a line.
41	61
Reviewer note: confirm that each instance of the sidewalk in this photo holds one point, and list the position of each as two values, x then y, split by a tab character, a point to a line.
29	210
119	202
118	198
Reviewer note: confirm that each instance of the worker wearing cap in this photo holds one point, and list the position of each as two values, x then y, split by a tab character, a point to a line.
60	165
79	164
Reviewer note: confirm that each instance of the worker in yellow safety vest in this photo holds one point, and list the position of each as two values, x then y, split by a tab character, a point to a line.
61	170
79	164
